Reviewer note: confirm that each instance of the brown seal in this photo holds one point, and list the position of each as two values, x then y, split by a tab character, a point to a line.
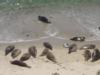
9	49
33	51
15	53
48	45
25	57
72	48
87	55
51	57
19	63
44	53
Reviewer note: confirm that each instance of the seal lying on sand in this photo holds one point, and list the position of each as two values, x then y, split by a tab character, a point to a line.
72	48
51	57
87	55
81	38
25	57
33	51
88	46
43	19
95	55
19	63
9	49
15	53
44	52
48	45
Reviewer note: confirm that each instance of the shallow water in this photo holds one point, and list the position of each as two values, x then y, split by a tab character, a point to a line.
19	22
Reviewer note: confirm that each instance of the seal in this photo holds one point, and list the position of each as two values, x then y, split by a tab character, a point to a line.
51	57
87	55
33	51
48	45
43	19
9	49
72	48
80	38
15	53
25	57
88	46
45	51
19	63
95	55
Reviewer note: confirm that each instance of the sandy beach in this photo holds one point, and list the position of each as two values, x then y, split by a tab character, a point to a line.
70	21
69	63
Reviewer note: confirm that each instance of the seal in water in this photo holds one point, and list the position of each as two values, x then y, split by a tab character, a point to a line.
9	49
51	57
19	63
72	48
43	19
33	51
88	46
25	57
95	55
44	52
15	53
81	38
48	45
87	55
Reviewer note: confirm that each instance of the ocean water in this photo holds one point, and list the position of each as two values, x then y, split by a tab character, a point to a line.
51	3
19	23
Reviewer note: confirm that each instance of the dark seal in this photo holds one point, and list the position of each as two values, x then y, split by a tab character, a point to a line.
48	45
43	19
72	48
80	38
19	63
9	49
95	55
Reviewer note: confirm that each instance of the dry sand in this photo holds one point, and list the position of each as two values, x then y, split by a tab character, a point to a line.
71	64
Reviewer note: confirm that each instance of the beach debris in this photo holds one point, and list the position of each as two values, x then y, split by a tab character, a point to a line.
44	53
19	63
33	51
95	55
25	57
88	46
98	73
43	19
55	73
9	49
87	55
48	45
72	48
51	57
66	45
15	53
80	38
